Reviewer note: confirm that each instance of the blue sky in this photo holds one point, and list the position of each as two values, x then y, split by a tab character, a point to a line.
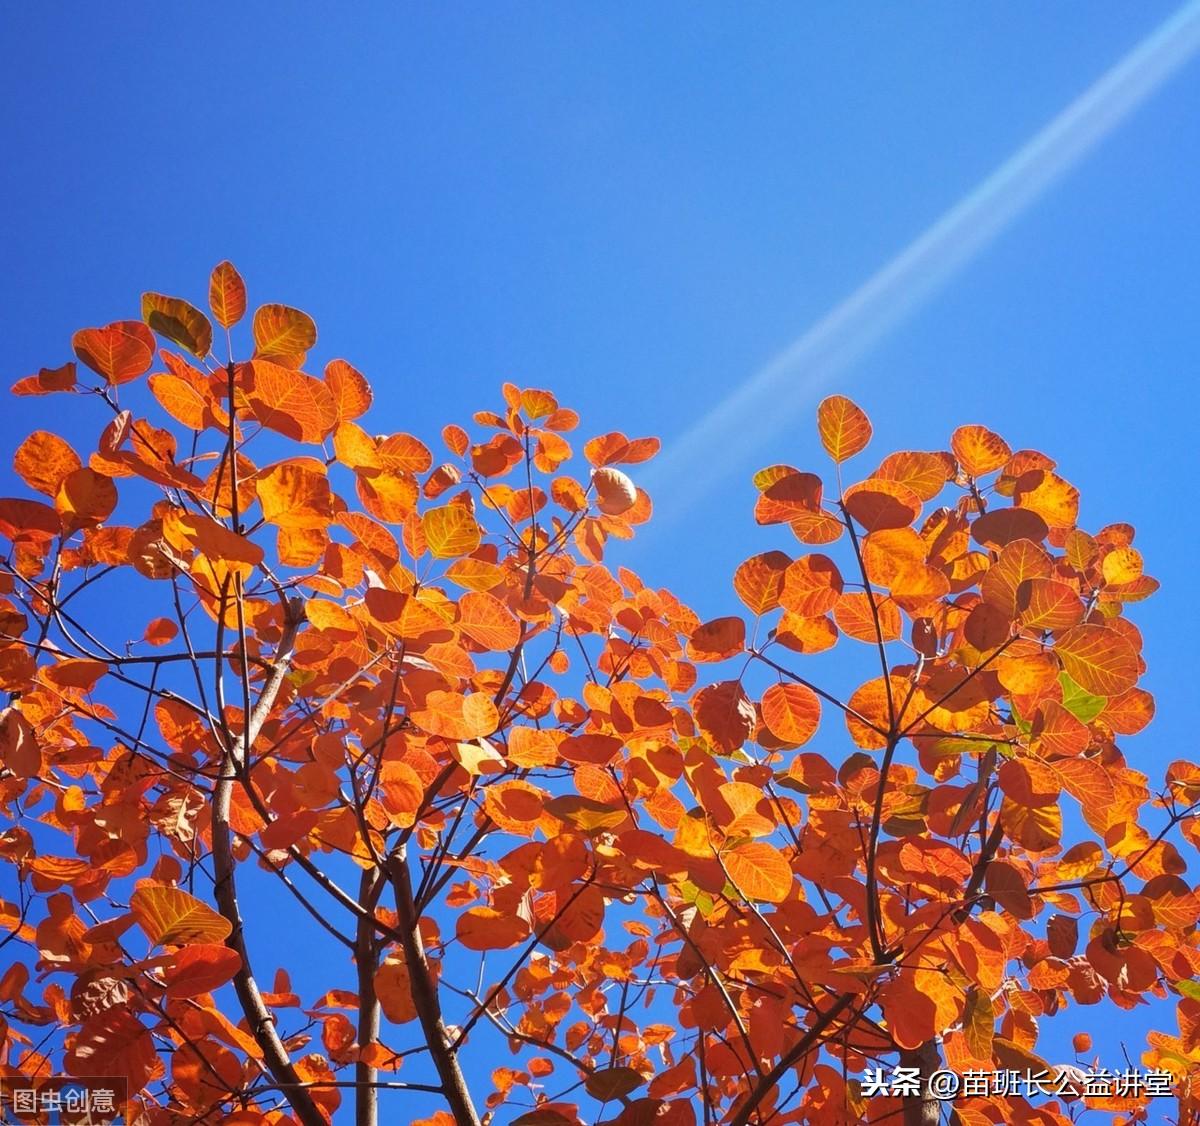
638	208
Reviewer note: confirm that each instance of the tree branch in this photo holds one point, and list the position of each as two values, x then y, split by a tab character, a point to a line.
767	1083
425	996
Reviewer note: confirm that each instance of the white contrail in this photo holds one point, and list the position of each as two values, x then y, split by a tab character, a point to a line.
770	398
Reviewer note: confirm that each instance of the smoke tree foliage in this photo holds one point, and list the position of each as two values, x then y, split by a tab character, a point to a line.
350	777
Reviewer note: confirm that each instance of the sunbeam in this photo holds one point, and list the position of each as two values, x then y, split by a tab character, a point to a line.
765	402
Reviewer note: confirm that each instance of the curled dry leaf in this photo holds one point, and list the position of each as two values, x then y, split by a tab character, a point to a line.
615	492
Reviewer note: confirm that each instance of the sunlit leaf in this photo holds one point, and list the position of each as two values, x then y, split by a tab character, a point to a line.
226	295
759	871
843	426
119	352
979	451
281	331
759	581
792	712
170	916
1099	659
450	531
179	321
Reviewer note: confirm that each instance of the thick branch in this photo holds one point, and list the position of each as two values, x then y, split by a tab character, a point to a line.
924	1109
366	958
425	995
258	1016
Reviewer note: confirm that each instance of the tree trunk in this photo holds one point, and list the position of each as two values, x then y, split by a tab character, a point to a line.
922	1109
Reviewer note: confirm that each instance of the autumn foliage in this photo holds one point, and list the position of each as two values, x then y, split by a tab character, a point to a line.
350	776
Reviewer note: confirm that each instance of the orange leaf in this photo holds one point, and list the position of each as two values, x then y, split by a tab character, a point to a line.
1099	659
290	402
403	452
479	756
725	714
919	1005
114	1042
924	473
878	504
1036	828
402	792
181	400
843	426
887	552
355	448
716	640
608	449
613	1083
184	530
171	917
759	871
80	672
350	390
978	450
1027	674
1087	781
450	531
19	750
485	928
759	581
85	497
1059	732
742	800
47	381
120	351
25	520
1047	604
394	990
806	635
475	574
1008	887
458	717
201	968
487	621
1053	499
598	750
160	631
294	494
390	497
1019	560
789	497
792	712
1029	782
1128	713
44	460
456	440
870	702
280	330
226	294
855	617
515	806
178	321
1003	526
812	585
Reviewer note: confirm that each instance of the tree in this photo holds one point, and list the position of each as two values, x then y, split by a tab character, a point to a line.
516	837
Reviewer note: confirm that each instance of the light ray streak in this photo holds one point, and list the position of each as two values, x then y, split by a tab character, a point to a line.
769	399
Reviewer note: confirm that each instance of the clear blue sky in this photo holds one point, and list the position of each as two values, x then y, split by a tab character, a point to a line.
638	207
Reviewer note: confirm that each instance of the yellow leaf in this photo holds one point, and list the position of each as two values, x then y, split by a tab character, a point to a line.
450	531
170	916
